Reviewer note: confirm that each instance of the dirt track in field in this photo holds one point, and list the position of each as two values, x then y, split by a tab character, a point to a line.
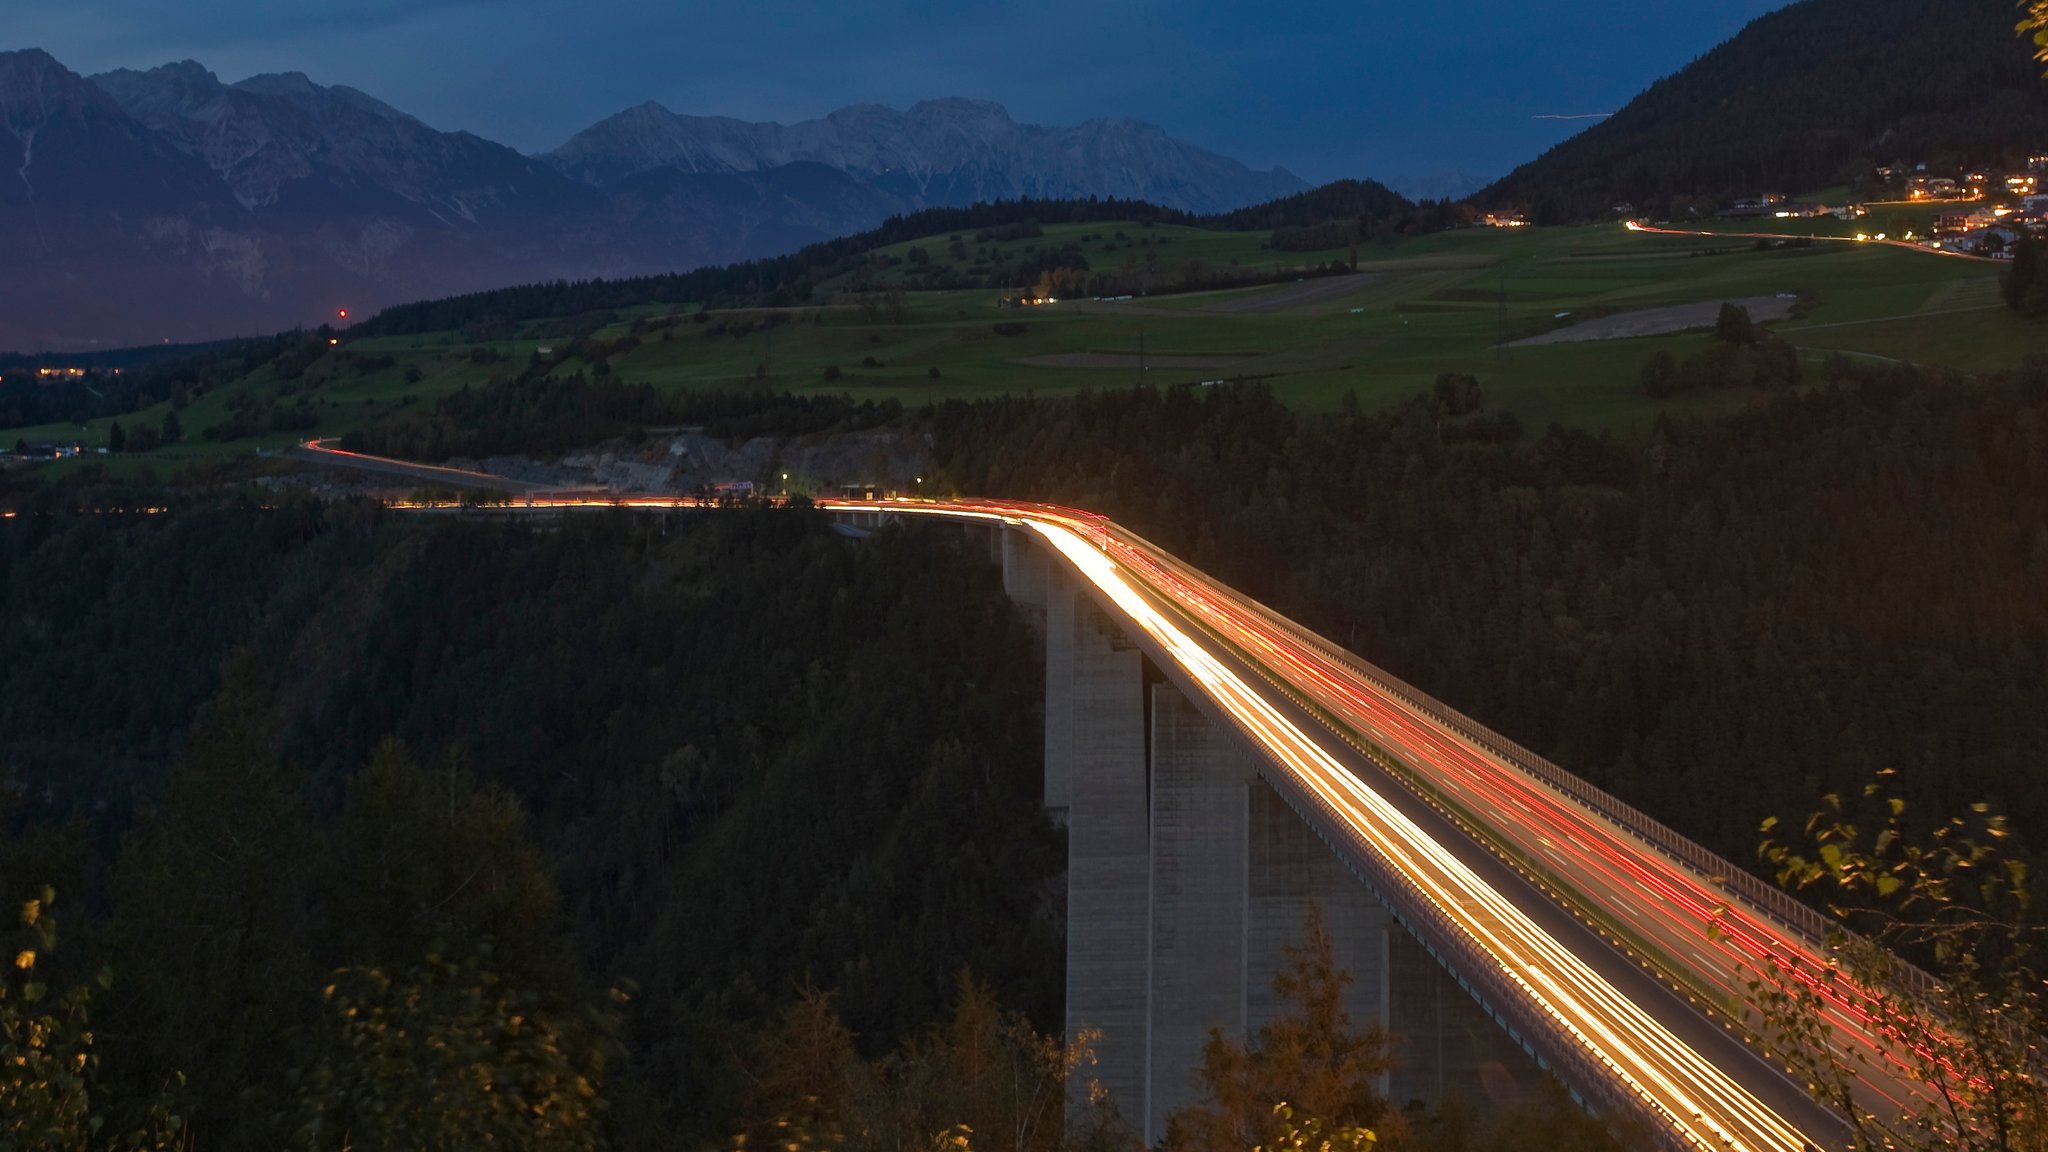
1659	321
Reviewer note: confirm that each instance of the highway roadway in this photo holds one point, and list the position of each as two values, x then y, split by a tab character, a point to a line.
1313	719
1613	949
1865	238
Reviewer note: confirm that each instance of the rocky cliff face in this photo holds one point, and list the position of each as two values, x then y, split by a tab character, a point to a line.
938	152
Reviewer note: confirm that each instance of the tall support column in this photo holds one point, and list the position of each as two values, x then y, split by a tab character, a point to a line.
1026	571
1201	788
1060	607
1107	858
1290	869
1448	1046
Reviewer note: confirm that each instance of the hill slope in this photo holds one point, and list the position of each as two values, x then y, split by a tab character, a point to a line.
1802	98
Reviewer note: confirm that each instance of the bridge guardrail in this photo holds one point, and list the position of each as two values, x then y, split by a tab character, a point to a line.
1546	1039
1774	902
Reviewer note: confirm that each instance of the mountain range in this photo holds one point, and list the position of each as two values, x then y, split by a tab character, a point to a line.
940	152
168	205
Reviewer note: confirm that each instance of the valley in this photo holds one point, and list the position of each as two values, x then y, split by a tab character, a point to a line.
867	621
1415	309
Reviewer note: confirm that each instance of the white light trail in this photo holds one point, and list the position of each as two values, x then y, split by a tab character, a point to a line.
1703	1103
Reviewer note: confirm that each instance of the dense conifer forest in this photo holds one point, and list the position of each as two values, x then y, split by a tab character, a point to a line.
705	763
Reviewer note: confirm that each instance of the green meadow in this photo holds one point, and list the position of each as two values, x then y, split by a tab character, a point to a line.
1415	308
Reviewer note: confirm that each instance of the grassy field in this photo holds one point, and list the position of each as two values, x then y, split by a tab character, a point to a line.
1416	308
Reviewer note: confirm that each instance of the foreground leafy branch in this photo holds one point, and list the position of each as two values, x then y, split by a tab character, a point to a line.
1301	1133
48	1069
1955	896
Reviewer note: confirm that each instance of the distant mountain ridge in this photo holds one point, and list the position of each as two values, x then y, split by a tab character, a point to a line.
141	206
281	142
1808	96
951	151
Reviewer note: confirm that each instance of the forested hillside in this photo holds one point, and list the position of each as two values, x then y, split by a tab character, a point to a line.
751	757
776	281
1720	623
794	279
1804	98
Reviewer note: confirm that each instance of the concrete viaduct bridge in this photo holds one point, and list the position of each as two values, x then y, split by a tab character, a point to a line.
1220	768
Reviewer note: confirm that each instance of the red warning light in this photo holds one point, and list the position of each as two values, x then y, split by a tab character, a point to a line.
344	313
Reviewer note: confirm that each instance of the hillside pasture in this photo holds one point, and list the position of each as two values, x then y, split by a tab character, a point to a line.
1414	308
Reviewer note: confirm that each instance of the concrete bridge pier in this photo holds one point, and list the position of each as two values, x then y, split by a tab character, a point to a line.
1188	877
1290	871
1063	603
1027	571
1202	792
1108	850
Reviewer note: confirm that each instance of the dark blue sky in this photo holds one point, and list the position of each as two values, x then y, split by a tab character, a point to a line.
1329	89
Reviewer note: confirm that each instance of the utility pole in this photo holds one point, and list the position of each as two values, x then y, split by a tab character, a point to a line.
1500	339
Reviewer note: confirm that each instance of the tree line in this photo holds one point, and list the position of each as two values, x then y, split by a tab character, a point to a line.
543	414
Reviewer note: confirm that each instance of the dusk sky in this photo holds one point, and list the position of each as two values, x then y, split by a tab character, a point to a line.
1357	88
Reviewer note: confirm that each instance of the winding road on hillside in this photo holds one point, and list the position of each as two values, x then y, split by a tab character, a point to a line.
1647	230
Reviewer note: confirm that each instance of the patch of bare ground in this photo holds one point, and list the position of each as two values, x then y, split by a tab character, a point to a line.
1659	321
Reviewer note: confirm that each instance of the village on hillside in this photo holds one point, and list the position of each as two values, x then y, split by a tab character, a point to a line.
1981	212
